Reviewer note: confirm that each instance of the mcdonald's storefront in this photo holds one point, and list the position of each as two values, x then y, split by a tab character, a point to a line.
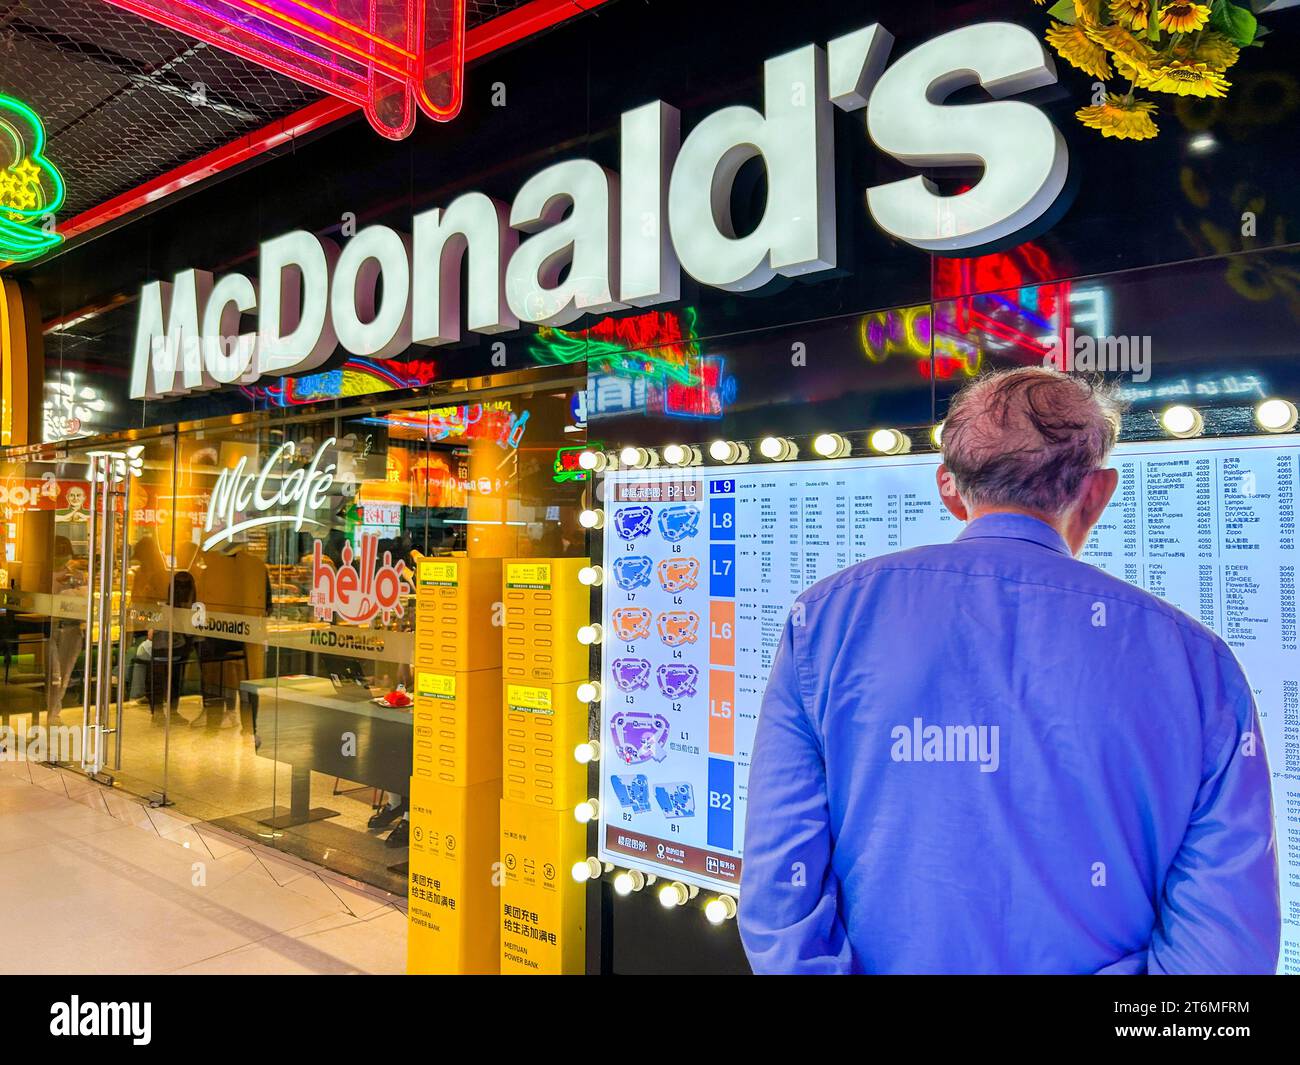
303	489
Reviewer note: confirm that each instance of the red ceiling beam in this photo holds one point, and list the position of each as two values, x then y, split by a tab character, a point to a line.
500	32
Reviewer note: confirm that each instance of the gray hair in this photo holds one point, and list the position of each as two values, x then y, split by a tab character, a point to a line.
1027	438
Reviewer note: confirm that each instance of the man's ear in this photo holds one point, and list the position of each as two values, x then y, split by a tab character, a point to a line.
1097	494
948	493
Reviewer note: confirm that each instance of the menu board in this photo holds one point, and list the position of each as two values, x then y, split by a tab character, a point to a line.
702	567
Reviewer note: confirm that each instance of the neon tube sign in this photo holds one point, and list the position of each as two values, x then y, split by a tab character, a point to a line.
31	187
239	491
387	58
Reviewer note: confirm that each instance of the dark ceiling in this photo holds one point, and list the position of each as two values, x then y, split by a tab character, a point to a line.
118	93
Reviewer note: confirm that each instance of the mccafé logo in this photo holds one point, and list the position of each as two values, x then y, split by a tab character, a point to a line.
240	492
626	237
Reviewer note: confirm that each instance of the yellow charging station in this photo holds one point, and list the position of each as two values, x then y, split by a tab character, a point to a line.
543	909
453	924
545	605
454	898
457	731
490	882
543	724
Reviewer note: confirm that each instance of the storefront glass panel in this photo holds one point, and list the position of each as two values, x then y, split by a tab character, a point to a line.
250	623
89	587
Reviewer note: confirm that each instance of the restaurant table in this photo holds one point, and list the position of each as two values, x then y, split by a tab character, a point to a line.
303	720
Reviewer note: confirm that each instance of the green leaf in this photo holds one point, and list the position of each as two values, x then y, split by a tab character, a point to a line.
1238	24
1063	11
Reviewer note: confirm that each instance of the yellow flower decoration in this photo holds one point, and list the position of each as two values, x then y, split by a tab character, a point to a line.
1121	118
1132	14
1119	42
1184	78
1215	51
1088	11
1180	17
1079	50
1132	58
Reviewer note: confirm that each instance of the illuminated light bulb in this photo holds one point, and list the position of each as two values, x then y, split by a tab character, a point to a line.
890	442
589	635
720	909
936	435
590	691
591	576
592	460
1182	422
728	451
587	752
674	893
592	519
832	446
586	811
628	881
638	458
588	869
676	455
1277	415
778	448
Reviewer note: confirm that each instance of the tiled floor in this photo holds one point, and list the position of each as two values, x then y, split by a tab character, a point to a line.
95	881
219	775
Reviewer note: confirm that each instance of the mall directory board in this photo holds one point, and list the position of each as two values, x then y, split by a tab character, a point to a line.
703	564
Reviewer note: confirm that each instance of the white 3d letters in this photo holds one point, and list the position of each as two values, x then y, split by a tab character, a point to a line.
296	333
595	241
794	140
363	325
583	239
1023	154
473	225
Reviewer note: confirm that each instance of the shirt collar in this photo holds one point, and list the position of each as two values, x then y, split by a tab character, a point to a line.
1016	527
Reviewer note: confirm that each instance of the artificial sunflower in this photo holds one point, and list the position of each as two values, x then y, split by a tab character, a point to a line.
1215	51
1131	14
1074	45
1123	45
1179	47
1182	77
1182	17
1122	117
1087	11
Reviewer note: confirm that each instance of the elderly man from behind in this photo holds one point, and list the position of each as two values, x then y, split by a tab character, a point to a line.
989	757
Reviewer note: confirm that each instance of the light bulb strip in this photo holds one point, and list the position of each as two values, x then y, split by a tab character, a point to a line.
1272	415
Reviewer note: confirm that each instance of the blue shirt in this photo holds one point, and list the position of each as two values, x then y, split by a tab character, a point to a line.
989	757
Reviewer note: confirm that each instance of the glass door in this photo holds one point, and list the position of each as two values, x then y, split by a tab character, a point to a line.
88	590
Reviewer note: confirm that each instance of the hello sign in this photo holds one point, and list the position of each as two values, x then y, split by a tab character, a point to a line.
364	586
626	237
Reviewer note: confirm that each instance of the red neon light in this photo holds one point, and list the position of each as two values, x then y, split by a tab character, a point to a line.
500	32
658	332
385	67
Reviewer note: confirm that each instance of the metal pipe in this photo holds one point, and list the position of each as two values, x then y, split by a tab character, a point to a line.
91	524
102	664
122	619
171	609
